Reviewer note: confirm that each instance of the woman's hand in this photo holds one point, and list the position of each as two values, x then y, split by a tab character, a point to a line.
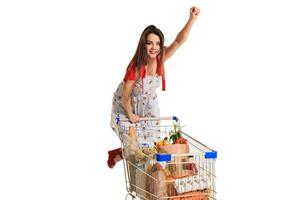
133	118
194	12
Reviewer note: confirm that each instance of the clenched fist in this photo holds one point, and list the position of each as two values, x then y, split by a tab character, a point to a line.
194	12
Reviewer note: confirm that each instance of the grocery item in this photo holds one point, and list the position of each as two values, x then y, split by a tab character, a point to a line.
196	195
176	166
144	154
176	135
156	183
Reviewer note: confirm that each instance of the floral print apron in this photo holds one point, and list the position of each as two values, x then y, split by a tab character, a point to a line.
144	103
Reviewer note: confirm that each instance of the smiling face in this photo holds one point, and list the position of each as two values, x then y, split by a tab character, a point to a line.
152	45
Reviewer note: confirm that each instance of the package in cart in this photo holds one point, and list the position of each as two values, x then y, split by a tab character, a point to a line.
156	182
177	167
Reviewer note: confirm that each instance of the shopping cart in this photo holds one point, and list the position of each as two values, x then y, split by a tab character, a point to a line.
168	171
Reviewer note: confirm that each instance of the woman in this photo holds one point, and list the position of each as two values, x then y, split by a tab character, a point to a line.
136	96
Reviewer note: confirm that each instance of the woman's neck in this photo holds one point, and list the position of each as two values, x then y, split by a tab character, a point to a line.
151	61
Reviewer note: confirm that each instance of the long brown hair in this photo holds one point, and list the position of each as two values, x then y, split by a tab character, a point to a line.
140	56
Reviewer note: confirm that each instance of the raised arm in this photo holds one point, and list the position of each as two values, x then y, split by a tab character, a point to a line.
182	35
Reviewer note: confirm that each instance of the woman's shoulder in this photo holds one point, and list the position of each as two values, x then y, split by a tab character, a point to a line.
131	72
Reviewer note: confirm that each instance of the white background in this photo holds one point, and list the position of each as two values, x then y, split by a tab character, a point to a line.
234	83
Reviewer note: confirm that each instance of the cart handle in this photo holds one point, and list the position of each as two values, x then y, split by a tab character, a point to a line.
125	119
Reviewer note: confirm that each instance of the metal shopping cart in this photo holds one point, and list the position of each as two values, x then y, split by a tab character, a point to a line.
157	170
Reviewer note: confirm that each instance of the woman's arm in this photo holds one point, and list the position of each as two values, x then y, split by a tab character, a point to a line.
126	100
182	35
